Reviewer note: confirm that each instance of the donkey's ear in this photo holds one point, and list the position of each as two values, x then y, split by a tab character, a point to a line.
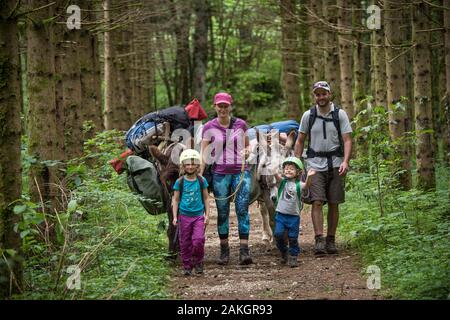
290	141
261	139
158	155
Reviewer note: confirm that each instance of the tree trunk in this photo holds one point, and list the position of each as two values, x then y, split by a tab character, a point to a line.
45	141
10	148
359	68
136	63
317	41
123	109
289	40
345	55
69	79
396	88
422	98
200	49
332	66
91	104
446	104
304	58
109	76
379	67
182	12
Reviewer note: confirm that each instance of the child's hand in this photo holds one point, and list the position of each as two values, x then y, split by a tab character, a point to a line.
311	172
174	221
206	223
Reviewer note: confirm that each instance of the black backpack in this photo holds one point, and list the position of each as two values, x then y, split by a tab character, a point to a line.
339	152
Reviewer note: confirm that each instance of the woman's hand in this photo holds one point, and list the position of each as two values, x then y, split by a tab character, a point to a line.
245	153
175	221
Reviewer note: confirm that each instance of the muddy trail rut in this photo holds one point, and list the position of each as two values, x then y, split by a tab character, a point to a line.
327	277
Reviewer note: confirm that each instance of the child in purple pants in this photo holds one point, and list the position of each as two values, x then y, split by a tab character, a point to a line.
190	200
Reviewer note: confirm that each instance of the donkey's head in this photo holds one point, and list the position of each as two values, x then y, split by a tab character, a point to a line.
271	151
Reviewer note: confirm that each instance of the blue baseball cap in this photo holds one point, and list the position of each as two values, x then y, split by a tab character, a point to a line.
321	84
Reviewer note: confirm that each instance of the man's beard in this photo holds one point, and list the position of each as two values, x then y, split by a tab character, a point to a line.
323	104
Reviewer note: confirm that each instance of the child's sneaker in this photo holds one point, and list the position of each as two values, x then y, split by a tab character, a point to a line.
187	272
199	268
293	261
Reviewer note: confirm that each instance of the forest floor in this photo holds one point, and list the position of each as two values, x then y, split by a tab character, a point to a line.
326	277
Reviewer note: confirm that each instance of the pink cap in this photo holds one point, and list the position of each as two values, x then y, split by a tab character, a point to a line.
223	97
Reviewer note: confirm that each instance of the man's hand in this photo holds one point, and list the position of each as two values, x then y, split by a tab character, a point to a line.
174	221
343	169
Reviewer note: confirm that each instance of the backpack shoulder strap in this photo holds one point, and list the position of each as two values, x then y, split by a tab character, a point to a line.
312	119
337	124
280	191
201	181
232	121
298	186
181	185
230	126
202	184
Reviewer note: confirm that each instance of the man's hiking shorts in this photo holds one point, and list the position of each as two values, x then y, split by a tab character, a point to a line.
328	186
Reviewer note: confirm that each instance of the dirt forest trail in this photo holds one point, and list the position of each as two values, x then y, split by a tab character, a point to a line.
328	277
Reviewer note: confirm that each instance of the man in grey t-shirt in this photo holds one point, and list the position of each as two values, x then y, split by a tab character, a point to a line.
329	154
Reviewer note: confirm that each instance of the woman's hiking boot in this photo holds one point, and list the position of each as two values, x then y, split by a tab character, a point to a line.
224	255
319	247
284	257
330	245
244	255
293	261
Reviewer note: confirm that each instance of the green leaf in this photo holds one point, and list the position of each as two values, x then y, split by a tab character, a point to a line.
72	206
11	252
20	208
24	233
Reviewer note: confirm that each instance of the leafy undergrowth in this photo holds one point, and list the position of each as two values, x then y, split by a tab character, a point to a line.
409	242
105	245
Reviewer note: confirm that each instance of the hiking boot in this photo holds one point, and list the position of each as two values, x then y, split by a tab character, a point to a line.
293	261
244	255
330	245
224	255
319	247
187	272
284	257
199	268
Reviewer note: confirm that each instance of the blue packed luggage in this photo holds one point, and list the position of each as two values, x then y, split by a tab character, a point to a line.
140	135
282	126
